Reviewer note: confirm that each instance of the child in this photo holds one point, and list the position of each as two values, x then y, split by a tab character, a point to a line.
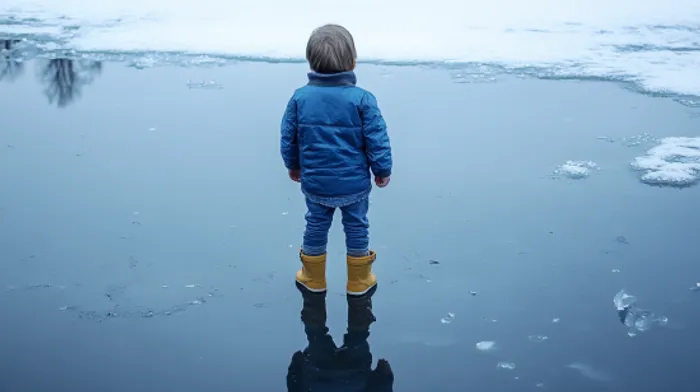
322	366
333	134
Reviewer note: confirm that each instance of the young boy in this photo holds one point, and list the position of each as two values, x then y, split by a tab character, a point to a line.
333	134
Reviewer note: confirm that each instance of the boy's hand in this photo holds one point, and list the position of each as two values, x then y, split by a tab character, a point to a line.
295	175
382	182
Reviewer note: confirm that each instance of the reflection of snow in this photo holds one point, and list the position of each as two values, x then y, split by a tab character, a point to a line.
675	161
576	170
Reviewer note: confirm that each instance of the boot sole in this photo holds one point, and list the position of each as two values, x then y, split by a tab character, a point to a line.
303	287
371	289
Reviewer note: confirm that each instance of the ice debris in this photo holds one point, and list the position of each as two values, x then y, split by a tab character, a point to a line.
207	84
448	319
675	162
486	345
576	170
634	318
506	365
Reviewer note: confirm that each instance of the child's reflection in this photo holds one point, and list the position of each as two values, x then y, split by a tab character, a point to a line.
323	367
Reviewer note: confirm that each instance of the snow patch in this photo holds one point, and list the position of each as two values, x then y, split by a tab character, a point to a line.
675	162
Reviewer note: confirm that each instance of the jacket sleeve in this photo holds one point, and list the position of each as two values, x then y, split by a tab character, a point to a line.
294	373
377	146
381	378
289	146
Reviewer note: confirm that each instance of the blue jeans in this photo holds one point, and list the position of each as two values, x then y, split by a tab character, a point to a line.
318	222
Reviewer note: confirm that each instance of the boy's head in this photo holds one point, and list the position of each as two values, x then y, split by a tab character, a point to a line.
331	49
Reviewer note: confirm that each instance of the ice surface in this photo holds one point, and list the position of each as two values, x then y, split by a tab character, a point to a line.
675	161
653	44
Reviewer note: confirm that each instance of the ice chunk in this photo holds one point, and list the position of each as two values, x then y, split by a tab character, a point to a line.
208	84
576	170
622	300
634	318
448	319
486	345
537	338
675	161
506	365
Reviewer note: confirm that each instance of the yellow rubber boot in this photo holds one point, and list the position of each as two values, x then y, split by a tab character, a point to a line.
312	274
360	276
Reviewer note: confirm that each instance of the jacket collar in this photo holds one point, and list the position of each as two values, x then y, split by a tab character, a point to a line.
330	80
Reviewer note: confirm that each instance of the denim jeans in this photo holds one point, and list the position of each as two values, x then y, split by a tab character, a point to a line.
318	222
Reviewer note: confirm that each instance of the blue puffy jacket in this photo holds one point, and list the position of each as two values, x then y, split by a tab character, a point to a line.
335	133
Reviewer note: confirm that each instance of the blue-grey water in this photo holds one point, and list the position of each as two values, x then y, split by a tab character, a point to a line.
149	233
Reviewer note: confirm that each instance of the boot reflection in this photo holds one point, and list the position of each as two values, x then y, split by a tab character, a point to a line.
324	367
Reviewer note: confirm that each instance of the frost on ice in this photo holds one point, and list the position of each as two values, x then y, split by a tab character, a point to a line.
675	161
575	170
